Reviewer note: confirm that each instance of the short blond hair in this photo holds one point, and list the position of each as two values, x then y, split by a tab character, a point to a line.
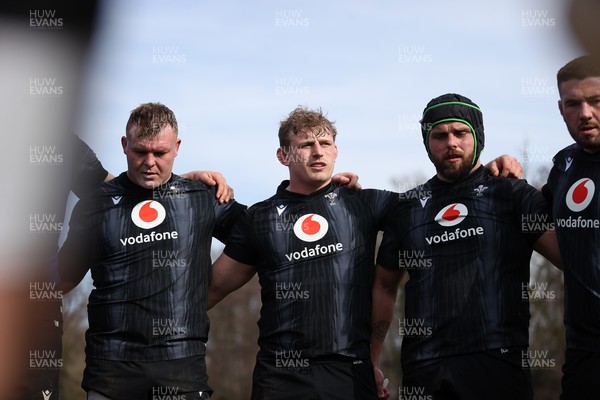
148	119
304	119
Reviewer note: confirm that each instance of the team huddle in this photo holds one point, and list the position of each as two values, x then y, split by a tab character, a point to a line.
328	290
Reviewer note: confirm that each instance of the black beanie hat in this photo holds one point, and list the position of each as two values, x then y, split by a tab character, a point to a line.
452	107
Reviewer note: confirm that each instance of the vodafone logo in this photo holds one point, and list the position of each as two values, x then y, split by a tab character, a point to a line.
452	214
148	214
311	227
580	194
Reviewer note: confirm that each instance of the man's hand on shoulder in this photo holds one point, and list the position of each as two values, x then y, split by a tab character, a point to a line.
506	166
212	178
348	179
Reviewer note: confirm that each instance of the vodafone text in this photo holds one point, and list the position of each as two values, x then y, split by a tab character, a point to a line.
578	223
448	236
147	238
314	251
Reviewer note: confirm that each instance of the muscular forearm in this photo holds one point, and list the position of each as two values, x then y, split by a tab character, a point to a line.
382	315
227	276
385	291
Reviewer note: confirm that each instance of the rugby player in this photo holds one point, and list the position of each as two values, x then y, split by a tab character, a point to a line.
461	239
146	237
572	189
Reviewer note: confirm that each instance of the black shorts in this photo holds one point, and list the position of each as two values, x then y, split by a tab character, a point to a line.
40	360
581	375
491	375
342	378
183	378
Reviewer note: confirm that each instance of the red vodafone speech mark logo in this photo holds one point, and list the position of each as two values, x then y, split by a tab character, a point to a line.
452	214
148	214
311	227
580	194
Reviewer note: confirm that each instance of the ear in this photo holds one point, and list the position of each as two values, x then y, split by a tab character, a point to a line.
124	143
283	157
560	108
177	146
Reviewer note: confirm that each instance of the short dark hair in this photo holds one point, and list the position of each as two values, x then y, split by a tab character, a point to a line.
586	66
302	119
148	119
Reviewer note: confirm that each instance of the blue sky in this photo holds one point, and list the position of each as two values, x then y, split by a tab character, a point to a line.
232	70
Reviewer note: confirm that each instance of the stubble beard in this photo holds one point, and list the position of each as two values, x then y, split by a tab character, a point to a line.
454	172
589	144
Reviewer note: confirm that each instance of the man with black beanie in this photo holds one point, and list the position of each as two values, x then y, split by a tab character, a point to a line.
462	240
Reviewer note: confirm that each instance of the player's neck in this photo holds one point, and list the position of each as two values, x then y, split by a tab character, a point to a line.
306	189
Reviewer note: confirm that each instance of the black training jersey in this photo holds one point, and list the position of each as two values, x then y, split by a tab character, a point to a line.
88	172
315	257
571	188
149	255
466	247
